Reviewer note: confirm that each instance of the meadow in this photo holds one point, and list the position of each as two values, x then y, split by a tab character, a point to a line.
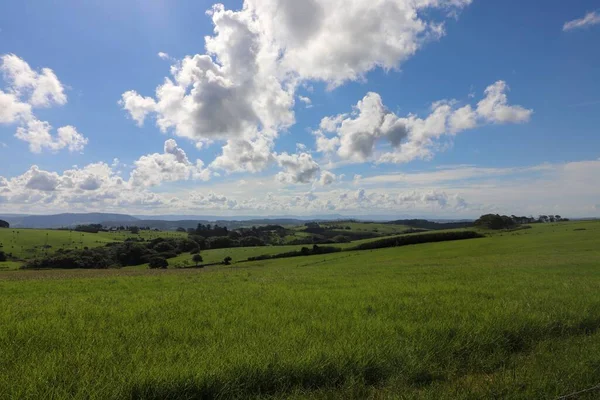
514	315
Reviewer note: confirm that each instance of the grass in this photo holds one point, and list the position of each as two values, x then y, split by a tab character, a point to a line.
516	315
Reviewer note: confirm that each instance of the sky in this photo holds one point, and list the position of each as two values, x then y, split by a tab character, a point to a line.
407	108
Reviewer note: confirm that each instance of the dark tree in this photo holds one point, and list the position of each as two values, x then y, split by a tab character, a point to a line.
227	260
4	224
158	262
495	221
134	229
197	259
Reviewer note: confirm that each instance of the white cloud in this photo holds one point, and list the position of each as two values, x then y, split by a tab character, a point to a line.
244	155
28	89
465	191
327	178
494	106
163	56
307	101
41	180
336	40
172	165
37	134
232	92
591	18
137	106
297	168
43	89
242	89
12	110
371	124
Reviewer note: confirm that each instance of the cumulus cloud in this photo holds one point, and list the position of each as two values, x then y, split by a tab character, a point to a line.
336	41
591	18
355	136
42	89
327	178
244	155
172	165
12	110
232	92
297	168
28	89
137	106
242	90
37	134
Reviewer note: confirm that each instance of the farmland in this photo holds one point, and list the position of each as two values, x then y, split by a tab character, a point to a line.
513	315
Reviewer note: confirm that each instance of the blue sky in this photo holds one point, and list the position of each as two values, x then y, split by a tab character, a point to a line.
435	107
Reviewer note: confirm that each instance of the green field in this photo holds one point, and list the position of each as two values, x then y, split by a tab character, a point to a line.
514	315
239	254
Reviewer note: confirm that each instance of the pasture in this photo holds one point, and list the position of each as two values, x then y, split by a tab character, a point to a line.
514	315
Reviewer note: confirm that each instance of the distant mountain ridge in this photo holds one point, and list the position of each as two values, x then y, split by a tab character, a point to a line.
65	220
172	222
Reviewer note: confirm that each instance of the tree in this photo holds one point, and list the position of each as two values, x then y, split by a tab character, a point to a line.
158	262
2	256
4	224
495	221
180	229
227	260
197	259
134	229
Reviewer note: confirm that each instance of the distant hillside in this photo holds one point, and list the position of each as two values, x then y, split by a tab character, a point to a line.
425	224
66	220
167	225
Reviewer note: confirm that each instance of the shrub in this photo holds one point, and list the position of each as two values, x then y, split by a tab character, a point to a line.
2	256
227	260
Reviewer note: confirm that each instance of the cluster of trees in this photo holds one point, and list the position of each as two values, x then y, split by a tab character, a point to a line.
4	224
417	239
377	244
496	221
211	231
305	251
430	225
117	254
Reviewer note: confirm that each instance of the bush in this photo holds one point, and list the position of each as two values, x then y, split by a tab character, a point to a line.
3	256
158	262
227	260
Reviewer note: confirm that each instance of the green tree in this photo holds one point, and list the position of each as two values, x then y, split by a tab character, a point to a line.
227	260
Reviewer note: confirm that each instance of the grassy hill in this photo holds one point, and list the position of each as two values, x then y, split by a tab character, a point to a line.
514	315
